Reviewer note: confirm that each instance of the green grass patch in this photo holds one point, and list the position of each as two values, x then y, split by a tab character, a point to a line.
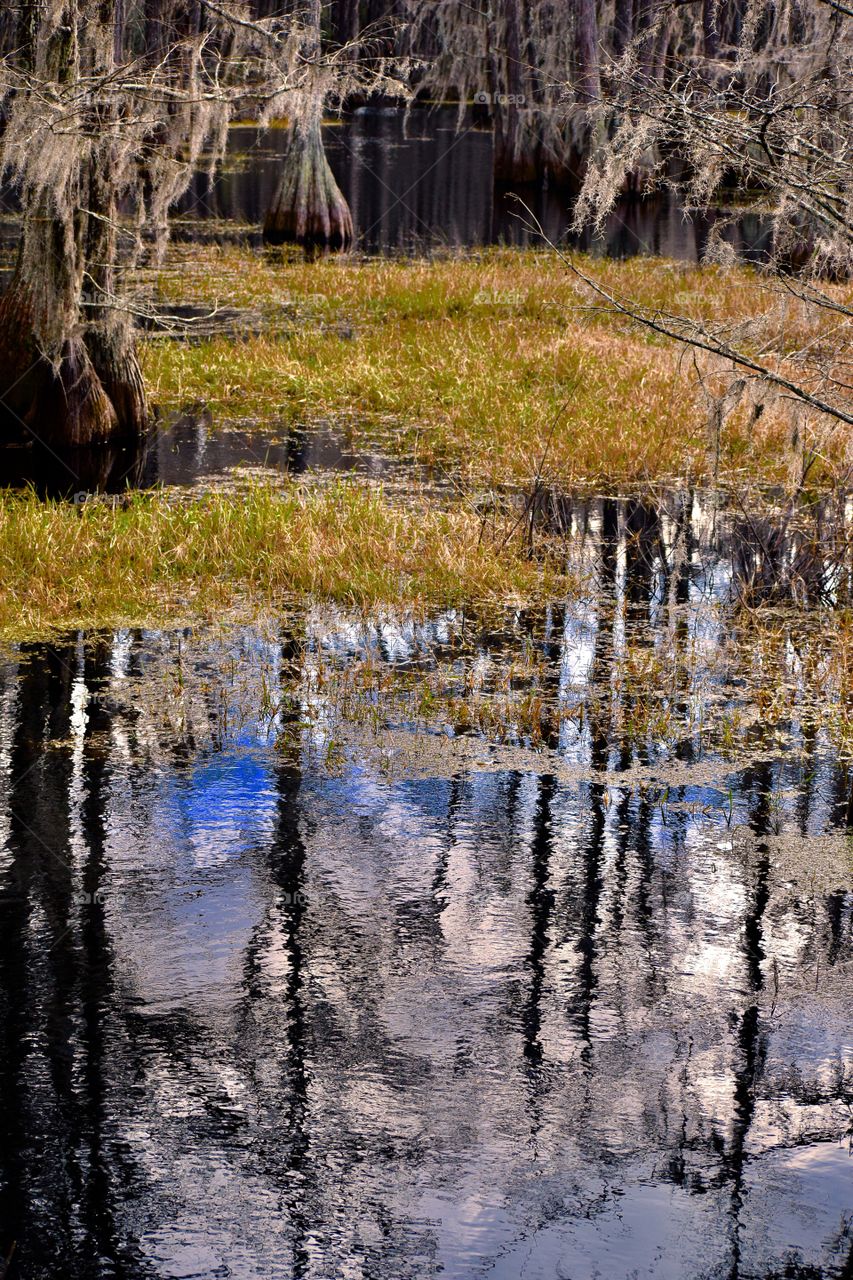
153	559
490	363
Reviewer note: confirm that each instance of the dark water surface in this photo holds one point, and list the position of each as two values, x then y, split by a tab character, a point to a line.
189	451
301	975
424	183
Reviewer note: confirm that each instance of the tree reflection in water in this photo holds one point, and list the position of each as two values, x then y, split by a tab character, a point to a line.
268	1013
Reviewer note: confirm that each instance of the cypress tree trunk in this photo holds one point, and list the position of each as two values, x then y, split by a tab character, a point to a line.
108	334
710	34
569	158
156	27
623	26
587	80
345	21
309	207
66	379
648	14
48	389
516	155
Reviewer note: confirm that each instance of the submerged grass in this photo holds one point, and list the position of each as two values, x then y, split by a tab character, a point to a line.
151	558
496	364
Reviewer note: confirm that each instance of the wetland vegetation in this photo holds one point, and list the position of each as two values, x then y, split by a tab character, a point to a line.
497	364
426	640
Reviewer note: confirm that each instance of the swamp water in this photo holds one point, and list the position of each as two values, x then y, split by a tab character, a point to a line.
188	451
517	945
423	183
520	945
424	186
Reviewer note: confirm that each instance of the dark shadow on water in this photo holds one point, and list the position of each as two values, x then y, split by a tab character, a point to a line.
73	473
423	184
188	452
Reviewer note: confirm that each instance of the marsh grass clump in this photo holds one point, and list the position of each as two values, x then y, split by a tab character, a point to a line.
497	365
152	557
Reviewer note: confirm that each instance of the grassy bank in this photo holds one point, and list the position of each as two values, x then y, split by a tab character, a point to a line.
153	559
496	364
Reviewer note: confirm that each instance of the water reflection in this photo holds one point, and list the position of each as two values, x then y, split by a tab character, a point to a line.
280	1002
423	183
187	451
651	553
